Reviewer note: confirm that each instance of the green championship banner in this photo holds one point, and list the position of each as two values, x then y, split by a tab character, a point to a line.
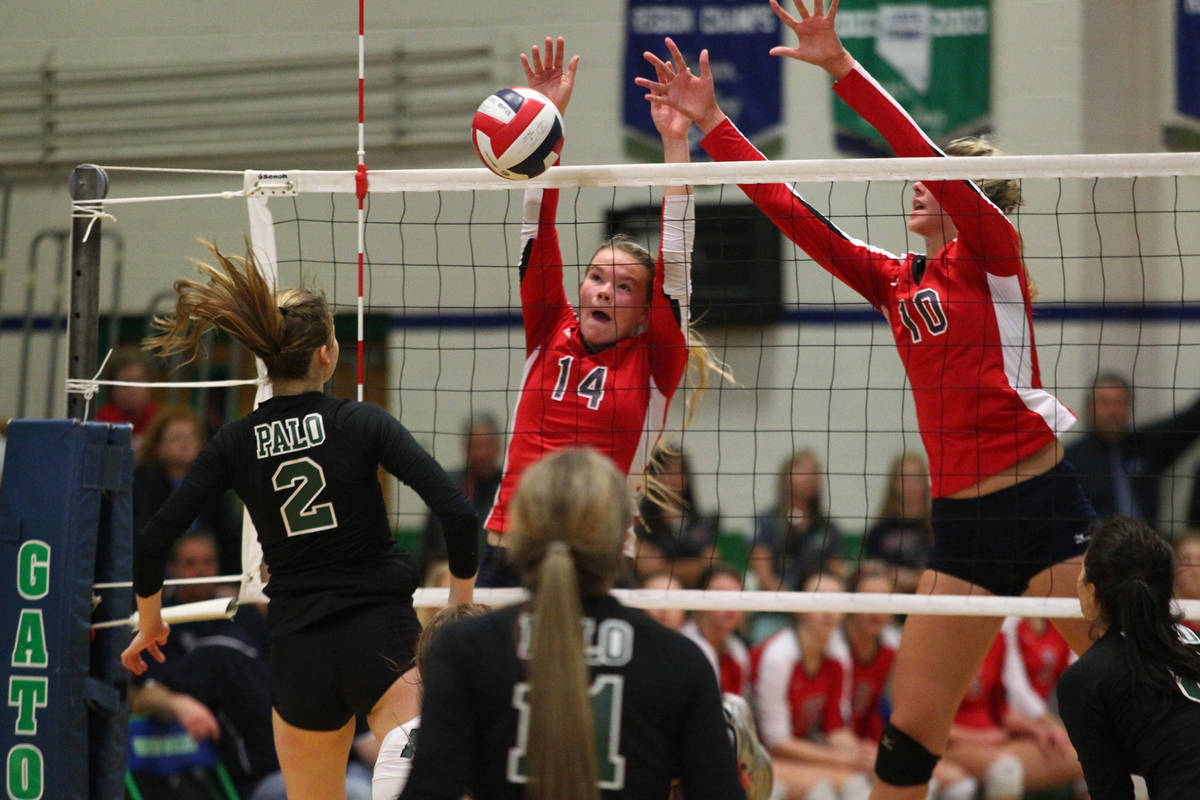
933	56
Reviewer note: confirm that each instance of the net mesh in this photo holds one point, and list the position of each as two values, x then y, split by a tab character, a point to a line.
1112	244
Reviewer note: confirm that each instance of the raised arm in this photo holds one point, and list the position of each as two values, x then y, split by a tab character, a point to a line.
543	301
982	227
670	298
850	260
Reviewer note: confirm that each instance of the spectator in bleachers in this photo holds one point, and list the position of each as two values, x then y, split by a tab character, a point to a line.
172	442
1187	571
672	618
479	479
1120	466
902	535
715	632
1004	735
130	404
672	533
797	692
796	538
1041	650
866	645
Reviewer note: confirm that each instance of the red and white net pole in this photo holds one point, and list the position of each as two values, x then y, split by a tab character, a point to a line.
360	185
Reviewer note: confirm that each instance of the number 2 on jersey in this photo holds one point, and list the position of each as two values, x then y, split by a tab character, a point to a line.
591	387
307	480
606	692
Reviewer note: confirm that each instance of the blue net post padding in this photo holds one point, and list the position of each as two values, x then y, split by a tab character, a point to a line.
65	524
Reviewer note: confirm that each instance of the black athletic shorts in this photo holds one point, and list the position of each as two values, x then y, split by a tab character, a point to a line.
325	673
1001	540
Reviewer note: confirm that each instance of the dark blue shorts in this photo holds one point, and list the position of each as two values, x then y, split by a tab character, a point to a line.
1001	540
326	672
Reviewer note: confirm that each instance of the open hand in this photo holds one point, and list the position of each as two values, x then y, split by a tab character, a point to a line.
816	40
678	88
546	75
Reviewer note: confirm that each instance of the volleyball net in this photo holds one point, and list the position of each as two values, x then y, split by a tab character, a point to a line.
1111	241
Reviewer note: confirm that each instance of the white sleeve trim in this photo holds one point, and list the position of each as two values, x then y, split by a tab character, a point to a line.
531	210
678	238
1020	692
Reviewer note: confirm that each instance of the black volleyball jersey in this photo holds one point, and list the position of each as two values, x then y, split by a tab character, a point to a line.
656	705
306	467
1119	728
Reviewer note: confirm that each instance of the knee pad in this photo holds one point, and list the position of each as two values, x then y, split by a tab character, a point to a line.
1005	777
901	760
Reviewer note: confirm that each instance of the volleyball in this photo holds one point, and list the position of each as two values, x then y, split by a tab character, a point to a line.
517	133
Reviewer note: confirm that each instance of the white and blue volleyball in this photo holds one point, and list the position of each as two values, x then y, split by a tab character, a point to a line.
518	133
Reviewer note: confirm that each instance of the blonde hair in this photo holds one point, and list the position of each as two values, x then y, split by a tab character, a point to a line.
283	328
1004	192
569	518
437	623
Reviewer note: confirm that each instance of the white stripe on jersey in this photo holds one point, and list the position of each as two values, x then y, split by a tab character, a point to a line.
1016	340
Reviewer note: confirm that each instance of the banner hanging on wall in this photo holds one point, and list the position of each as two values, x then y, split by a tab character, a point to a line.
738	34
1187	63
933	56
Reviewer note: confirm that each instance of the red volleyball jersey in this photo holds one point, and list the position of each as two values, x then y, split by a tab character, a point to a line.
614	400
1045	656
985	703
866	682
961	317
788	702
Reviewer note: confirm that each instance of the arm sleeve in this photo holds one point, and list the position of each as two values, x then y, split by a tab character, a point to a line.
1019	692
708	765
851	261
543	301
982	227
1104	765
209	476
445	747
671	295
400	454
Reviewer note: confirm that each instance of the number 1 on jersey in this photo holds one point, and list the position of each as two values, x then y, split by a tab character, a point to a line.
606	692
591	387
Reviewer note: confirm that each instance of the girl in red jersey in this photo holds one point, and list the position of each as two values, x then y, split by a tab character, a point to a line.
604	375
1008	516
1003	734
866	646
798	698
715	632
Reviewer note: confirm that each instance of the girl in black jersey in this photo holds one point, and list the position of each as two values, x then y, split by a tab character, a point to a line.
340	621
1131	703
573	695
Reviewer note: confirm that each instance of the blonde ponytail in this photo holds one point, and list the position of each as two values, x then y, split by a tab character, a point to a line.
560	708
569	517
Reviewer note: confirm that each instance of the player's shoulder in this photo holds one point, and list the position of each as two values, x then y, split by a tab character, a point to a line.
781	647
